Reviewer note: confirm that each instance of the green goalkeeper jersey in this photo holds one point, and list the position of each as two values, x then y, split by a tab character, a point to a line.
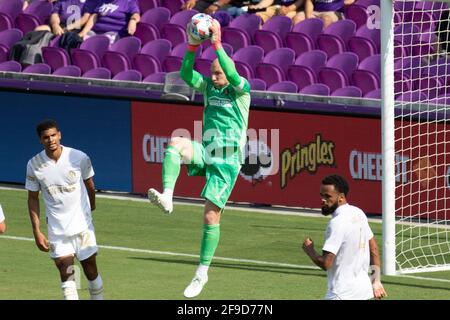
225	115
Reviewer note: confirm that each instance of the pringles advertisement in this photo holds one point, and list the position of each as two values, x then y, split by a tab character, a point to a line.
286	156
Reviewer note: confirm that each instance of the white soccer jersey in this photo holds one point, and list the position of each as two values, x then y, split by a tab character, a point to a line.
67	206
2	216
347	237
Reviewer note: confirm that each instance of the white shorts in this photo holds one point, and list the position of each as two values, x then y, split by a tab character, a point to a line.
82	245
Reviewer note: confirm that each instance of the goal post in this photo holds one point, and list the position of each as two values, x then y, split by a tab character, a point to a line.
415	83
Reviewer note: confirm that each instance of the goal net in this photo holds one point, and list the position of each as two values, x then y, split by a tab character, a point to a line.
415	49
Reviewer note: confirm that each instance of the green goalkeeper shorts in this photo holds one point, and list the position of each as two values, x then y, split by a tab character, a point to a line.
221	174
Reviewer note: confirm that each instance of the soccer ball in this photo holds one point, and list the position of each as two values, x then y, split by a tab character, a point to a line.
199	26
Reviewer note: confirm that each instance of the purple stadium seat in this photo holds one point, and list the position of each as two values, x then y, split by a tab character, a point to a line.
282	57
5	22
9	37
251	55
270	73
349	91
248	22
284	86
334	39
303	36
38	68
55	42
338	70
55	57
317	89
98	73
368	75
427	45
365	43
174	33
146	64
146	32
27	22
4	53
10	66
412	96
85	59
275	65
223	17
128	75
304	71
159	48
357	14
401	83
68	71
273	33
203	66
374	94
146	5
182	18
172	64
11	8
40	9
97	44
173	5
257	84
156	16
180	50
244	69
210	52
121	54
155	77
236	38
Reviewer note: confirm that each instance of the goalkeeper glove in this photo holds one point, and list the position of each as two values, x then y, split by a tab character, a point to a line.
193	43
216	38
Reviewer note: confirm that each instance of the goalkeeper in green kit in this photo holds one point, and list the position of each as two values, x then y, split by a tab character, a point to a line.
219	156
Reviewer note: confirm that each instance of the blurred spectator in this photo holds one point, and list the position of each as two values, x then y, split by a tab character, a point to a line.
266	9
69	15
114	18
328	11
238	7
207	6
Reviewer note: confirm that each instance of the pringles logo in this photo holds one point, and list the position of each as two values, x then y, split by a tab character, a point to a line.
307	157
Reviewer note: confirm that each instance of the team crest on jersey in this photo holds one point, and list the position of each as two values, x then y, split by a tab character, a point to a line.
107	8
72	176
219	102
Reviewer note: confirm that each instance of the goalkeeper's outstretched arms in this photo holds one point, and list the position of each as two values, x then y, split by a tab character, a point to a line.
187	72
224	60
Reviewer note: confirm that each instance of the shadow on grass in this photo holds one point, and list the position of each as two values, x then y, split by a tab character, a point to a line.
243	266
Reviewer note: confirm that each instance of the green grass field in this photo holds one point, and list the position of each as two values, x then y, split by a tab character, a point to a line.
166	259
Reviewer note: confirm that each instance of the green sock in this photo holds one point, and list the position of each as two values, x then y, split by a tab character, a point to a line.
171	167
211	236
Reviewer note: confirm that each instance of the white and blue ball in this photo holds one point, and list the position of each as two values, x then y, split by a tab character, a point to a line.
200	25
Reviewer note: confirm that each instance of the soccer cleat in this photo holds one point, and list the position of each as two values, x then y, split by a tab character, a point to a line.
161	201
195	287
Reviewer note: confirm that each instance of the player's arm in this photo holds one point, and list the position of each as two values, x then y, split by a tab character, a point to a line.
90	187
34	211
324	261
225	61
187	72
378	290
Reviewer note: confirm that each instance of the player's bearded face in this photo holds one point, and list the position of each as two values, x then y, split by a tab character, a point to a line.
330	199
50	139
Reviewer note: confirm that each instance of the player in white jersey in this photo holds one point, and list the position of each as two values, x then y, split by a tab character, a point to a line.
65	177
2	221
349	249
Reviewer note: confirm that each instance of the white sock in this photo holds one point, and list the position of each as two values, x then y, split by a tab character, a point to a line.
69	289
168	193
202	271
96	288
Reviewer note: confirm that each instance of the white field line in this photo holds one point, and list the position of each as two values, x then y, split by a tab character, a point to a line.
257	262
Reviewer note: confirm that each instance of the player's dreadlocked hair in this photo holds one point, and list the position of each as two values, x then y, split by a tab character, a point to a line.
339	183
45	125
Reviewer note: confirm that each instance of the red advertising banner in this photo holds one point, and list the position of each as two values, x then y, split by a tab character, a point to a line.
294	152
